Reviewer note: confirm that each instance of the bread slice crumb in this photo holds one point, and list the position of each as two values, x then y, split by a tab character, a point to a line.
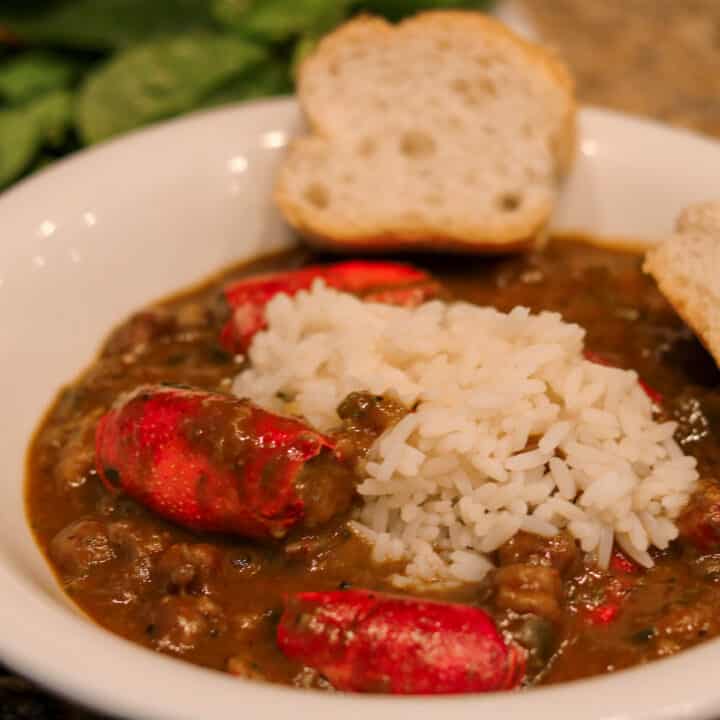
686	267
446	131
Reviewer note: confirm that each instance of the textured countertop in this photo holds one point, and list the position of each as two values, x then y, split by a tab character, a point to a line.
659	58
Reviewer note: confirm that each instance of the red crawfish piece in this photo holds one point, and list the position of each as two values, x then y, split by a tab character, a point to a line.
211	462
621	564
623	572
364	641
391	283
603	614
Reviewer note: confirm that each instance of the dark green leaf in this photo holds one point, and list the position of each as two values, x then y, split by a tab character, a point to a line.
18	144
160	79
232	12
24	130
52	115
30	74
269	79
277	21
103	24
397	9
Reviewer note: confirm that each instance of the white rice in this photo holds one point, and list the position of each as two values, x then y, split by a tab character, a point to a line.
512	429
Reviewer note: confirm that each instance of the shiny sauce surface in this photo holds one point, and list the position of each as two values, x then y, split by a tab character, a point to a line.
215	600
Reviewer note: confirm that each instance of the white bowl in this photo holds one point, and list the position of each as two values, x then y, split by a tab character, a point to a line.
92	238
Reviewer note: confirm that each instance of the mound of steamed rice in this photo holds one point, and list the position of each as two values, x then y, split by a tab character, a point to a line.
511	429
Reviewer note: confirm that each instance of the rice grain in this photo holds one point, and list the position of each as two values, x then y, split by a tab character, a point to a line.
511	429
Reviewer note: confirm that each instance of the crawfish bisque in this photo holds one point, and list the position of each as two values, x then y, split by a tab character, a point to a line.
379	477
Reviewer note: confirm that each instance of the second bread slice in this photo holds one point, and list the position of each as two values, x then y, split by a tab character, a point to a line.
686	267
446	131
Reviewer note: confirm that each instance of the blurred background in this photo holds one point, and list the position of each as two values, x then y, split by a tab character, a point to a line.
78	72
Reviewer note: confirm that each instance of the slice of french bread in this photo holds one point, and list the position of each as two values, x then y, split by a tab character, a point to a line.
445	131
686	268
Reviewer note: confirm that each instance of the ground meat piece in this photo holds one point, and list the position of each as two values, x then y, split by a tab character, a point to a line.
138	331
700	521
365	417
326	488
532	589
188	568
559	551
180	622
375	412
244	562
80	546
686	624
138	542
708	567
137	539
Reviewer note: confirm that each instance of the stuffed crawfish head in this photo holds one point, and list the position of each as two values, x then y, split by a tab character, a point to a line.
390	283
366	641
211	462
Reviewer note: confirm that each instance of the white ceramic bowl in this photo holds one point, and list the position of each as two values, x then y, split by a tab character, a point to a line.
87	241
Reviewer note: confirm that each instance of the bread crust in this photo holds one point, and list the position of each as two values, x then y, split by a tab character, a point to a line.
515	234
682	267
688	308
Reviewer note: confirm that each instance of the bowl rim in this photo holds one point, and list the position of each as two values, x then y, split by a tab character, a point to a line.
650	691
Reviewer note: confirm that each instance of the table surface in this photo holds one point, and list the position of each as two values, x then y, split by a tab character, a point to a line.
658	58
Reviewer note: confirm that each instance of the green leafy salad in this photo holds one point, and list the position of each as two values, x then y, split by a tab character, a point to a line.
76	72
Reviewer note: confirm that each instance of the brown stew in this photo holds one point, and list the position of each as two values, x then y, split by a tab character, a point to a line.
215	600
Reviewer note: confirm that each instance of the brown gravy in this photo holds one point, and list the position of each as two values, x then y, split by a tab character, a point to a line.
215	600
